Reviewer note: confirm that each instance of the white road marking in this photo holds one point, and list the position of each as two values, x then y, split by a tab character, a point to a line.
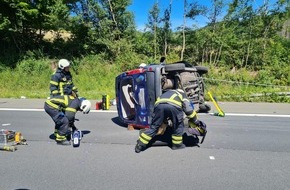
254	115
115	111
16	109
212	157
6	124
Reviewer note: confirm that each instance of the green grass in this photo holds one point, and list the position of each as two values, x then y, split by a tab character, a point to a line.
95	77
244	93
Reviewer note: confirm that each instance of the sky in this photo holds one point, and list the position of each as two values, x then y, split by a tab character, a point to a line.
141	8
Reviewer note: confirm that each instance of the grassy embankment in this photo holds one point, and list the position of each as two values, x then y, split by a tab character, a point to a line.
95	77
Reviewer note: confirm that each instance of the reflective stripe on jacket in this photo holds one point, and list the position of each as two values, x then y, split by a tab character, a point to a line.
58	102
67	104
61	83
64	103
178	99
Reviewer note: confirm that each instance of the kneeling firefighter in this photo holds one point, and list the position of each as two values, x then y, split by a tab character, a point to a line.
62	110
170	105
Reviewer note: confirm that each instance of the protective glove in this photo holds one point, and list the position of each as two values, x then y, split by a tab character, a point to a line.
197	127
74	94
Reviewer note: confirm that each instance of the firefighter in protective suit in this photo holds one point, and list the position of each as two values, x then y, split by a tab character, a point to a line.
170	105
62	110
61	81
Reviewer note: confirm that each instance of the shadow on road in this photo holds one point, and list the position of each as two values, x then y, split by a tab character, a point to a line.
84	132
165	140
117	121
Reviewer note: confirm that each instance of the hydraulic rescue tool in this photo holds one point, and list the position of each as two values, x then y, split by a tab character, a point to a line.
220	113
8	148
9	139
76	137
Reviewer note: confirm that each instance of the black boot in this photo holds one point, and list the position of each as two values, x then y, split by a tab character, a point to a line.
178	146
62	140
139	146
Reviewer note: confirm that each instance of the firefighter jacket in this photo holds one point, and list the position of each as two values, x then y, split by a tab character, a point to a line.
61	83
67	104
178	99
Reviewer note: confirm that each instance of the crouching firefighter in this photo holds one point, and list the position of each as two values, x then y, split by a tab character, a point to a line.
170	105
62	110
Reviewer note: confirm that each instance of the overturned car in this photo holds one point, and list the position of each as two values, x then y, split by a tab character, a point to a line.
138	89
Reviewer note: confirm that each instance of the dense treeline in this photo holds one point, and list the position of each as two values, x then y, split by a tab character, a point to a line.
237	35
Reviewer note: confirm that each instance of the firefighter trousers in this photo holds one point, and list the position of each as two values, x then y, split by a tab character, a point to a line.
59	118
161	113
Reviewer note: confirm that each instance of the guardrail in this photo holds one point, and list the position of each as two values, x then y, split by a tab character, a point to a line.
246	83
287	93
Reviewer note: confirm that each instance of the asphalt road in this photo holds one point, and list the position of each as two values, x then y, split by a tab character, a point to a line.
228	107
249	148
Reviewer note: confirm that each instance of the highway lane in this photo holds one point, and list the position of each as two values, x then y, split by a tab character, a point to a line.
239	152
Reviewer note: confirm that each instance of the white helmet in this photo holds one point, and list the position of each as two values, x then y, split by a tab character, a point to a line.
62	63
86	106
142	65
180	90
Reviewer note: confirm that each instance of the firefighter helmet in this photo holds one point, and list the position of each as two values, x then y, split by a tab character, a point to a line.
62	63
180	90
86	106
142	65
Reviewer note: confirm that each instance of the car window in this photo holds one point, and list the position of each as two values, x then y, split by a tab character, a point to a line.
127	102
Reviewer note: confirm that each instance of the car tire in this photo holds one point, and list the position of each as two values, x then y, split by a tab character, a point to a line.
175	67
204	108
201	70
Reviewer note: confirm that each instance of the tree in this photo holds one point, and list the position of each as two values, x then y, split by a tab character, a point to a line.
183	29
254	30
103	25
191	11
153	25
166	30
23	24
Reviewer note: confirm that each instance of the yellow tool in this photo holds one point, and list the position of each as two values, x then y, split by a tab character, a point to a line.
220	111
17	137
8	148
19	140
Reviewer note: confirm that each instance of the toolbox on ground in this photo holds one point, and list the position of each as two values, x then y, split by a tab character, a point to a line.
6	136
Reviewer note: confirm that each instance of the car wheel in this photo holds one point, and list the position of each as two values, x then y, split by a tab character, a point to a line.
201	70
175	67
204	108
